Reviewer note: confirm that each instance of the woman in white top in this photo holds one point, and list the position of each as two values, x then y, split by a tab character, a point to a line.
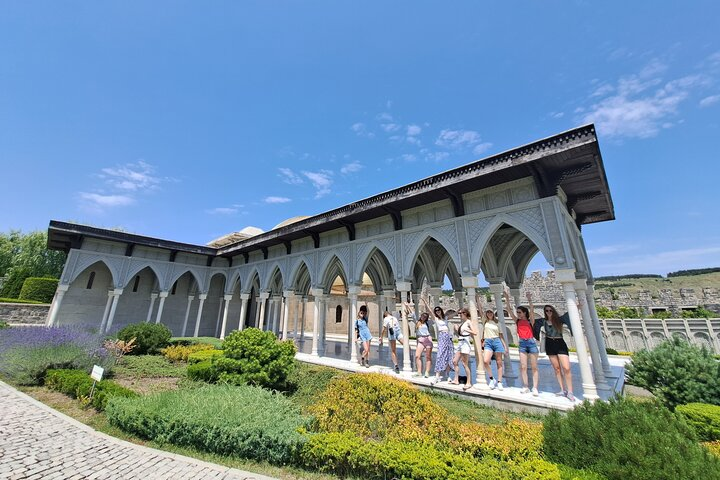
443	359
462	350
391	325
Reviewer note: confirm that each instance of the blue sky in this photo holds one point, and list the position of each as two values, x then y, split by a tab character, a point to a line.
189	120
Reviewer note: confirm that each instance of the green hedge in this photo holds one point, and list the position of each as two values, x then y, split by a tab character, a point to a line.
703	418
246	422
627	439
186	341
203	371
39	289
202	355
78	384
149	337
17	300
346	455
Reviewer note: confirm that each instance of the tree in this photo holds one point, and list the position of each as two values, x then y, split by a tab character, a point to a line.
27	255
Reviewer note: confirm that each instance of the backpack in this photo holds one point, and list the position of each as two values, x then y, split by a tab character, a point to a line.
537	327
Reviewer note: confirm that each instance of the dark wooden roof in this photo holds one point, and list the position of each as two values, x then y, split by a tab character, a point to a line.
570	160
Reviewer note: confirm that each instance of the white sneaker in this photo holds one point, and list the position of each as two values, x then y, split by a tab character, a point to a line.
435	380
535	392
525	390
492	384
561	393
570	397
500	386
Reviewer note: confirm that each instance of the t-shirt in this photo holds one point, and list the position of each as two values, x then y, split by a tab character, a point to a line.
524	329
442	325
491	330
391	322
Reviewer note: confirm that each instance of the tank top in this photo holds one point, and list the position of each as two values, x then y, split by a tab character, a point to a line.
524	329
442	325
422	330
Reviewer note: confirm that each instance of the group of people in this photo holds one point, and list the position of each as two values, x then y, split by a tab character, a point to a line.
450	356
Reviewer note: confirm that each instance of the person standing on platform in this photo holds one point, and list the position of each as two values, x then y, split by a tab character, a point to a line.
557	350
424	345
527	346
391	325
364	334
495	346
462	350
443	360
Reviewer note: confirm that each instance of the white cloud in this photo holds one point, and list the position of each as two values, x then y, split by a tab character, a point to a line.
361	130
321	180
390	127
639	105
413	130
351	167
276	200
557	114
711	100
434	156
482	148
384	117
98	200
408	157
222	211
132	176
458	139
288	176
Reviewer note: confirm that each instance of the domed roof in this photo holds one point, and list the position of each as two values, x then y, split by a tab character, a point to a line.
290	221
234	237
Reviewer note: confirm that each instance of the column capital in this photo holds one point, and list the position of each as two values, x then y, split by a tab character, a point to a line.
581	284
514	286
202	296
403	286
118	291
388	293
496	288
316	292
191	297
227	298
289	293
565	275
163	294
244	296
354	290
63	287
470	282
264	295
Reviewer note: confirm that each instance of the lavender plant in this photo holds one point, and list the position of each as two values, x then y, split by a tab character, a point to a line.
26	353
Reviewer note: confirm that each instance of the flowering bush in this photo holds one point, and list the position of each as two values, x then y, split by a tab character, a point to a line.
26	353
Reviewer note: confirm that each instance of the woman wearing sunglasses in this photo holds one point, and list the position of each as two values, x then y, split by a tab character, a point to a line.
557	350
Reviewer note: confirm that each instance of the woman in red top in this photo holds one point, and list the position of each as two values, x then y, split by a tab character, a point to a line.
527	345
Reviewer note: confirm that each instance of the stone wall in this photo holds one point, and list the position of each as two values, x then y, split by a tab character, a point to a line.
23	313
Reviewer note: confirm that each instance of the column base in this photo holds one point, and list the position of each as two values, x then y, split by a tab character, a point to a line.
590	392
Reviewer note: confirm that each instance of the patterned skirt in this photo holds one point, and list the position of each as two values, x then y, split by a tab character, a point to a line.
444	353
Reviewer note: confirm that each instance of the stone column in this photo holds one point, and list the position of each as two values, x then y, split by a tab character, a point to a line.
56	302
416	300
600	382
316	293
496	288
713	337
353	292
244	297
263	300
153	297
116	296
103	322
323	323
303	315
202	297
288	296
435	294
219	316
470	284
390	301
567	278
404	289
163	296
381	309
459	299
187	314
227	299
590	299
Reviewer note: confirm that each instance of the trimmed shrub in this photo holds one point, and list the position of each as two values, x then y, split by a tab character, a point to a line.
350	455
703	418
186	341
515	439
254	357
78	384
713	447
626	439
677	373
569	473
611	351
254	424
26	353
149	337
203	371
155	366
180	353
203	355
308	381
39	289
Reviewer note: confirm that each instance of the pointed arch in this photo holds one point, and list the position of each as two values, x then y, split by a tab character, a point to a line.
296	267
274	282
90	261
325	265
138	266
417	244
253	274
274	268
199	278
333	269
234	280
478	249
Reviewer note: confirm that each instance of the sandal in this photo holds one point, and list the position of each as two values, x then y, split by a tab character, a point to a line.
467	387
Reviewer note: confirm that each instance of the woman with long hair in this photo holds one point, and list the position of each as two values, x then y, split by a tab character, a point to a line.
525	321
424	345
557	350
443	359
462	350
494	343
363	331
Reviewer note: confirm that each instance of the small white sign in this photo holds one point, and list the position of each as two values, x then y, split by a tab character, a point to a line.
97	373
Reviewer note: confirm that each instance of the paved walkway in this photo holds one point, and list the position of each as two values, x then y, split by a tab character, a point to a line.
37	442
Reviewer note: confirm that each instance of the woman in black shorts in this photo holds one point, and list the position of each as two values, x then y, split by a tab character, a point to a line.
557	350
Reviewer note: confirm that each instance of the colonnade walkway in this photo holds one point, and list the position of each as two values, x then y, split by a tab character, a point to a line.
37	442
334	352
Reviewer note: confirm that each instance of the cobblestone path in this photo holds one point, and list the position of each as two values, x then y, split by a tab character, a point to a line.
37	442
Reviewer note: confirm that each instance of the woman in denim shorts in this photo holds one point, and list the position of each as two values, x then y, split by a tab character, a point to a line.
494	346
527	346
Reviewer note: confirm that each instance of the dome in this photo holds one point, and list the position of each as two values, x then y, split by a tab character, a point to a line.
290	221
235	237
